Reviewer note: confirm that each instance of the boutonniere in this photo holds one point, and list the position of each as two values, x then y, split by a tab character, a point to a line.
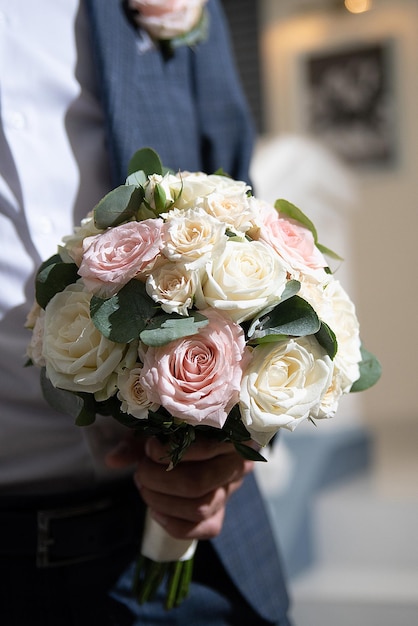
171	23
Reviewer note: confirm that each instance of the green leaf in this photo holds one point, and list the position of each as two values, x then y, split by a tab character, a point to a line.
234	428
248	453
61	400
160	198
370	371
291	289
328	252
165	328
327	339
125	315
138	179
221	172
293	317
271	338
118	206
54	276
87	414
147	161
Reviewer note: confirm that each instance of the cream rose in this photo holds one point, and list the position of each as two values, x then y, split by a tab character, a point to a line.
246	278
335	308
232	208
191	236
132	395
283	384
112	259
166	19
77	356
173	286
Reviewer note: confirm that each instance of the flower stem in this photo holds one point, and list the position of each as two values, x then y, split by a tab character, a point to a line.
150	574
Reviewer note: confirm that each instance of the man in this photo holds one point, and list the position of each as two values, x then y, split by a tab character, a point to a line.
79	94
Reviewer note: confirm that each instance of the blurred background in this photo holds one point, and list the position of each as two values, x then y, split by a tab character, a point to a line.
333	87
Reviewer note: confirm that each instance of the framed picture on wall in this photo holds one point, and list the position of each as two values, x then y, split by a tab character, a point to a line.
350	102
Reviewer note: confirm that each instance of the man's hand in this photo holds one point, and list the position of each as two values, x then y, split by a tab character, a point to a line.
188	501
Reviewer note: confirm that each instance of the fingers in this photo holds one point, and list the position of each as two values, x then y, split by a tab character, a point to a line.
201	449
182	529
126	453
191	479
190	500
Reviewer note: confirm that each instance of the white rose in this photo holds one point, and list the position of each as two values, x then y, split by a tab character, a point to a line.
229	186
194	187
334	307
191	236
132	395
246	278
173	286
282	385
234	209
330	401
77	356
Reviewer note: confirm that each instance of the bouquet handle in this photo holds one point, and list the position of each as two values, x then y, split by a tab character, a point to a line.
163	556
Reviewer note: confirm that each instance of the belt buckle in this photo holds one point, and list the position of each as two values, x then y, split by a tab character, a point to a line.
45	540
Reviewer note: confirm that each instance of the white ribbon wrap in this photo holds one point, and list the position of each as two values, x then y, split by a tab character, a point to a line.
161	547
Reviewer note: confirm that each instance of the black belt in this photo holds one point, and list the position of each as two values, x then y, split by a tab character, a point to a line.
91	526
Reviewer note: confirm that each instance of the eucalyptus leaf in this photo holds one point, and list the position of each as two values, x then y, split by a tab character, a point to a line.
329	252
294	317
234	428
59	399
292	287
118	206
165	328
54	276
370	371
125	315
248	453
147	161
87	414
138	179
271	339
327	339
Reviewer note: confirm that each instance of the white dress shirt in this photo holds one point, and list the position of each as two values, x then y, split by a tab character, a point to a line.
53	170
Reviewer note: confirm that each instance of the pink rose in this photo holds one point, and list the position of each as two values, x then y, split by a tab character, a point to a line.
165	19
111	259
197	378
292	241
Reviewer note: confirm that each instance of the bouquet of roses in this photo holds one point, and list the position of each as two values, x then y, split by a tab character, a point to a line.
184	304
